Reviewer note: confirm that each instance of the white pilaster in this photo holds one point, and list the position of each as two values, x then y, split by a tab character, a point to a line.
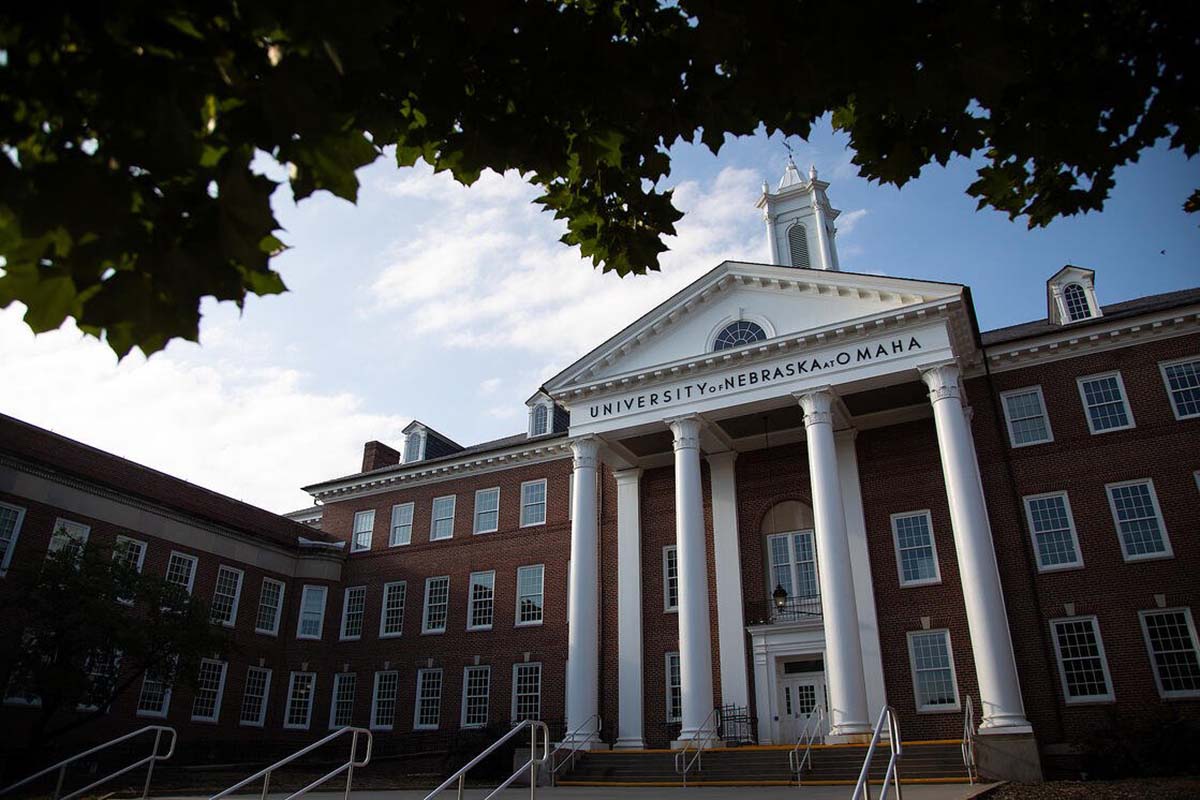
1001	706
843	649
583	632
629	610
731	620
823	256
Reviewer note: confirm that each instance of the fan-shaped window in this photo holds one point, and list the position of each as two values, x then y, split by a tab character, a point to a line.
798	245
1076	302
739	333
537	424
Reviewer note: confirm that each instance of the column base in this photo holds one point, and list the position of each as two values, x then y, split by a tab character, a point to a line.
697	739
850	733
584	742
629	743
1012	757
1010	724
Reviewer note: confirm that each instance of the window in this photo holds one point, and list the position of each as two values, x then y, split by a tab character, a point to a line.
527	692
1104	402
383	700
529	594
312	613
226	595
1082	667
487	510
934	684
428	712
481	603
72	535
794	567
674	689
916	552
442	526
11	518
533	503
129	552
798	246
1025	414
301	686
413	446
477	685
1053	531
739	333
354	604
539	419
402	516
364	525
391	616
155	697
102	667
341	705
1183	386
1171	640
254	700
437	602
1139	520
206	706
270	607
670	578
181	571
1075	299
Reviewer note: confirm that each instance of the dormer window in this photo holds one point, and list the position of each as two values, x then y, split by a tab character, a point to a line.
1076	302
539	420
1071	296
414	446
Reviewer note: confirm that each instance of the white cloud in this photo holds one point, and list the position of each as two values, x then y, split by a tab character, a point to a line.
490	385
847	221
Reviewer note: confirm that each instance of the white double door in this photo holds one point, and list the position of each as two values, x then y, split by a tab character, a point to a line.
800	696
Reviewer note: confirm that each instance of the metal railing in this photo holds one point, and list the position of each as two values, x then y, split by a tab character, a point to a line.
968	741
532	764
348	767
863	788
808	735
794	609
61	766
570	739
682	765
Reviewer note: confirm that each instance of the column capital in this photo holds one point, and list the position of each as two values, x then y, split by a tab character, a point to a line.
817	405
627	476
586	450
942	380
686	430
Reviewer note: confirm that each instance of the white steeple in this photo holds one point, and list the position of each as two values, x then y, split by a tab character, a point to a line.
800	220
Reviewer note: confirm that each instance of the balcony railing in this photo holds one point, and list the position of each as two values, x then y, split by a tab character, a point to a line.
793	609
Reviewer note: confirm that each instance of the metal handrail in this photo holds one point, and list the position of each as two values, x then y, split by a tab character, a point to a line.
347	767
968	741
61	766
532	764
682	765
797	761
863	788
570	738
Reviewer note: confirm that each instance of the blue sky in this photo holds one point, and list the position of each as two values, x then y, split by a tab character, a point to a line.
451	305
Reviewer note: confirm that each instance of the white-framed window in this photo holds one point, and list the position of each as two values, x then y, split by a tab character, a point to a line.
670	579
414	446
226	594
312	612
1105	403
68	534
1182	379
793	559
916	551
155	697
533	503
354	606
481	602
341	703
1138	519
206	705
539	420
437	604
1076	302
530	594
1082	667
477	689
270	607
391	615
383	700
129	552
298	711
1052	527
181	570
401	530
364	527
487	510
674	684
1172	644
254	699
935	685
1026	417
527	691
441	526
11	518
427	714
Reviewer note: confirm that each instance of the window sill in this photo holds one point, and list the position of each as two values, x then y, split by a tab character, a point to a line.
1030	444
475	628
391	635
1059	568
1163	556
261	632
533	524
349	638
1091	701
433	633
309	638
242	724
537	624
955	709
920	583
1110	430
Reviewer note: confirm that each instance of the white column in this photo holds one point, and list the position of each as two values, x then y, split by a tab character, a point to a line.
822	234
629	610
731	620
695	638
843	650
771	232
1000	701
583	632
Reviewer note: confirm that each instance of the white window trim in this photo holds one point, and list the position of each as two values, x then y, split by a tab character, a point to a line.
517	623
342	636
287	706
383	610
141	556
462	714
392	526
1162	525
1037	553
237	595
1062	670
62	522
1008	423
324	590
166	703
549	406
421	673
433	519
667	683
912	668
274	631
475	529
1191	623
375	726
512	715
262	711
1087	414
937	567
667	607
16	534
216	715
192	574
471	600
545	503
425	608
1162	370
337	679
370	532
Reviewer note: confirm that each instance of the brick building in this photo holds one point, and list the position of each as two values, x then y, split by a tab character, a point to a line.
787	488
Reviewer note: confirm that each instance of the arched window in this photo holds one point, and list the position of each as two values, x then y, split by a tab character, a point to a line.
537	423
739	333
1076	301
798	245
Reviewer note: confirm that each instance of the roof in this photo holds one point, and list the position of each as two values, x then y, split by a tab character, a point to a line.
1115	311
49	450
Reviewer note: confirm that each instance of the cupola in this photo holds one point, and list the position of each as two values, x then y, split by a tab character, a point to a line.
799	221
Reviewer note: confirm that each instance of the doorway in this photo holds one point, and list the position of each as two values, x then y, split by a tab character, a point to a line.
801	695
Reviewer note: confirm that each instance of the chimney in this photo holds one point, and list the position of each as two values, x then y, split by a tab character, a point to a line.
378	454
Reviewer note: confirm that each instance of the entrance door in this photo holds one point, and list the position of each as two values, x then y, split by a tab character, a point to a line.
800	696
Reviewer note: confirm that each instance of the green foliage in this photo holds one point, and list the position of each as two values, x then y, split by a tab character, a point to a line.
127	194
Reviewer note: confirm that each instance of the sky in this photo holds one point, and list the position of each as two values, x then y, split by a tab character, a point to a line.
452	305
